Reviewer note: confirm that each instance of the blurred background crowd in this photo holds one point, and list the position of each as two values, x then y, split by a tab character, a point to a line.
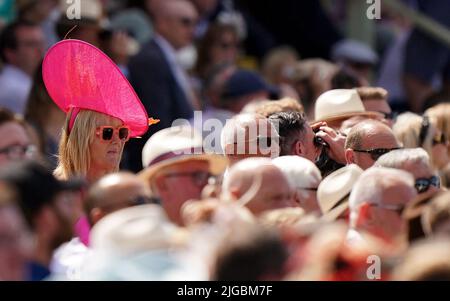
353	160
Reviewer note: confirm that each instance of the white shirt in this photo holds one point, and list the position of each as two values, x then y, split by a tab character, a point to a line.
68	260
15	86
180	75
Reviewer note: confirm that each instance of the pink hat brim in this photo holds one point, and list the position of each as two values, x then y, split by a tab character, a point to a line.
79	75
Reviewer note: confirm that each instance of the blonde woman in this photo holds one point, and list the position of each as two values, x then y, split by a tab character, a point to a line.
440	116
413	131
103	109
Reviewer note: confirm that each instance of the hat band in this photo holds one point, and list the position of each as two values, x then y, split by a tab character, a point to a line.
178	153
340	202
73	116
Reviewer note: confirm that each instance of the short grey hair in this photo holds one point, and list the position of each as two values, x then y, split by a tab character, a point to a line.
399	157
300	172
371	184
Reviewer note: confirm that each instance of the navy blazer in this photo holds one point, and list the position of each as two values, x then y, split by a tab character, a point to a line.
151	76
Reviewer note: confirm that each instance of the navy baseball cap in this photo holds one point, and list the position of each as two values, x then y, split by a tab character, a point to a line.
244	82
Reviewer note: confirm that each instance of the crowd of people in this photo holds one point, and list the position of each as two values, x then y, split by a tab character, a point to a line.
197	140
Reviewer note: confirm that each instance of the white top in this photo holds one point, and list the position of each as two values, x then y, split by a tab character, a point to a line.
15	86
68	260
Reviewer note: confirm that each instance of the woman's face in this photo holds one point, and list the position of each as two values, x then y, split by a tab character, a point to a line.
106	154
225	49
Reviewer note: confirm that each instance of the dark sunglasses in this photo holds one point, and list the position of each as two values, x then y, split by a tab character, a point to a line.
107	132
423	184
440	139
391	115
187	22
376	152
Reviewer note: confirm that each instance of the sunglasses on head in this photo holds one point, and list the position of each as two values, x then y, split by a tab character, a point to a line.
376	152
107	132
440	139
423	184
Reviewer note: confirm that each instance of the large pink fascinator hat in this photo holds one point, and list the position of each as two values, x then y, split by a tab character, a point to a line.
79	76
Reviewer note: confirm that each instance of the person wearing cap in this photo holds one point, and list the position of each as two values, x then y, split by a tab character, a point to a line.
377	201
334	191
103	111
259	185
304	177
367	141
356	56
48	209
336	106
177	169
157	76
22	46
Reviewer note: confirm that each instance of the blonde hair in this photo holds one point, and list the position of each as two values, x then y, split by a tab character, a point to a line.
276	106
407	130
440	116
74	156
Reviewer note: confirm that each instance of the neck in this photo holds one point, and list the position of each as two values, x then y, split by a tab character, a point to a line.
95	174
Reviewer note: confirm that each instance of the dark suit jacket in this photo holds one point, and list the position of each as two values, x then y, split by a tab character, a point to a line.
163	98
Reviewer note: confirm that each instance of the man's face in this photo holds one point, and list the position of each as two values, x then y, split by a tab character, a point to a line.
179	183
14	244
179	25
386	219
30	49
381	106
274	192
311	152
14	142
376	138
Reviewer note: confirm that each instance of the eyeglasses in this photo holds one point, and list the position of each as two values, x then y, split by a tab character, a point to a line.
263	141
423	184
397	208
391	115
376	152
440	139
17	151
200	178
187	22
107	132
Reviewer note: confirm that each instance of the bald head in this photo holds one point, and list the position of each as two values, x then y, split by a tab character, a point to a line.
249	135
114	192
175	21
367	141
259	184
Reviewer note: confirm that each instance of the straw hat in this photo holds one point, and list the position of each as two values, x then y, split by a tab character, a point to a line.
334	191
340	104
175	145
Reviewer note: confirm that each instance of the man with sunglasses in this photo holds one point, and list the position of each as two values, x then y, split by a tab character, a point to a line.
367	141
377	202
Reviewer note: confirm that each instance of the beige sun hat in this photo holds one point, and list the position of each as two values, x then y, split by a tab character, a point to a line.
334	191
175	145
340	104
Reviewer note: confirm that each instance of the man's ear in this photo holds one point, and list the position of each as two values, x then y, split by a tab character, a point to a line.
298	149
95	215
10	56
349	156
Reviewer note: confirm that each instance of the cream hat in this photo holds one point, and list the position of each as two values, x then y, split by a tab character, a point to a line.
339	104
333	192
174	145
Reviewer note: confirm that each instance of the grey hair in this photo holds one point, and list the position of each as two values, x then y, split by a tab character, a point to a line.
397	158
371	184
